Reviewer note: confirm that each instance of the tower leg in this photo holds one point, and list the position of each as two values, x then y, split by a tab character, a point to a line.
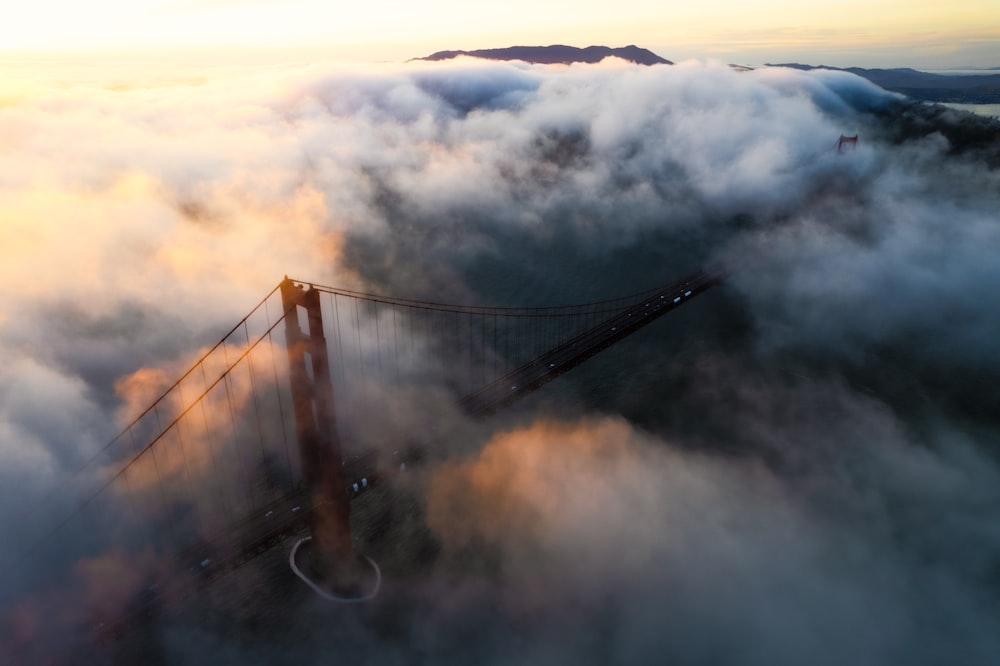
332	557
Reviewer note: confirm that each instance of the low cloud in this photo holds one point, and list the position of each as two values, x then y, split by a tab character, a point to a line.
602	543
799	467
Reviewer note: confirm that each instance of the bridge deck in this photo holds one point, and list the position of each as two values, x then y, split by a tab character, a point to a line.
566	356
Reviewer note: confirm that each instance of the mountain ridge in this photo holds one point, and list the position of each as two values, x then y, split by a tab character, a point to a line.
556	54
925	86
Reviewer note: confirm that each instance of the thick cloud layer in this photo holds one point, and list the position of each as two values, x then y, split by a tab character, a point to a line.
799	466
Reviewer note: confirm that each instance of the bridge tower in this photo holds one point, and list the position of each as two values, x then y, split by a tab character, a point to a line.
851	141
332	558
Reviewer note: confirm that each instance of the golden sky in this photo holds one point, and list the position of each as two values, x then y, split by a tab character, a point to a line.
963	32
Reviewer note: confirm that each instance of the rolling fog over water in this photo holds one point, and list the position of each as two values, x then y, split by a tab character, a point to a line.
798	467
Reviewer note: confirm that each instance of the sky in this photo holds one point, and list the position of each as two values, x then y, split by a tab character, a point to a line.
880	33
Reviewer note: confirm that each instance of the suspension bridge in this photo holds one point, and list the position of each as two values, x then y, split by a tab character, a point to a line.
316	396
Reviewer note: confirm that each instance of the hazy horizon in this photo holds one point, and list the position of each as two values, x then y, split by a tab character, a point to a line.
985	58
965	33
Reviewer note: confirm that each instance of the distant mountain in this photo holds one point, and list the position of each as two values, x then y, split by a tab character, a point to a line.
557	53
959	89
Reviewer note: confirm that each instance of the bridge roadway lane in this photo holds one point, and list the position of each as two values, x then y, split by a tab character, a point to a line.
566	356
